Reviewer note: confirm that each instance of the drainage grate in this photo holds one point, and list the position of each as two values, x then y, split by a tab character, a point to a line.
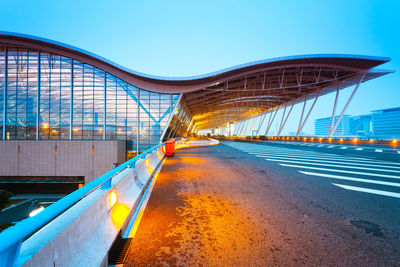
120	252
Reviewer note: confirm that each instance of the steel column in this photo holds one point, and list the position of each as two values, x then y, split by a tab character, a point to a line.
5	94
38	97
180	125
308	114
287	116
241	124
334	109
261	122
252	125
176	120
283	116
138	123
245	128
171	115
237	131
71	102
271	121
347	104
302	113
105	106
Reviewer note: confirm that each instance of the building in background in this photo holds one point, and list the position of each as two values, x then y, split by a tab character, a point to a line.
360	126
386	122
383	123
322	126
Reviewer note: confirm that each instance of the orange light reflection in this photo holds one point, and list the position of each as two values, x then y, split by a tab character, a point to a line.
119	214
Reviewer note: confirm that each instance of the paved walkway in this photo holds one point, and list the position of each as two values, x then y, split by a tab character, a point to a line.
211	207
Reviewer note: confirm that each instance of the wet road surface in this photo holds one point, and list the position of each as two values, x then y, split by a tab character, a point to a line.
219	206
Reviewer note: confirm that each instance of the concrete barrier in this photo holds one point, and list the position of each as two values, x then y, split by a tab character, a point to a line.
84	234
195	143
81	228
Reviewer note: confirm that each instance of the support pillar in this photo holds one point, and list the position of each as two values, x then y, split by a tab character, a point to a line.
347	105
5	95
138	123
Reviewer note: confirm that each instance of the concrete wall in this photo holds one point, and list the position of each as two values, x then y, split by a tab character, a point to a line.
84	234
60	158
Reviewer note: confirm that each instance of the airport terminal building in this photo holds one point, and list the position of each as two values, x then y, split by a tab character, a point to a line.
67	114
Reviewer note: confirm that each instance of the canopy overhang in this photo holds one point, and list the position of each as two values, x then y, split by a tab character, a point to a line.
234	93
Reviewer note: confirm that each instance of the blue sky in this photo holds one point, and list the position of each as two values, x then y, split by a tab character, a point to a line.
184	38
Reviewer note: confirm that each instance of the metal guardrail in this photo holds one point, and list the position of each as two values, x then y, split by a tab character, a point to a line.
311	139
12	237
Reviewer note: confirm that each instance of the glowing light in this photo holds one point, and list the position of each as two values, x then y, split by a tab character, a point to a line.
36	211
330	140
150	169
146	161
341	140
371	141
45	126
320	139
113	198
394	142
292	138
119	214
163	149
312	139
75	130
100	130
355	140
119	130
305	139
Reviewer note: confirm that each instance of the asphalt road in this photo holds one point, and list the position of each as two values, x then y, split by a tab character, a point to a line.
246	204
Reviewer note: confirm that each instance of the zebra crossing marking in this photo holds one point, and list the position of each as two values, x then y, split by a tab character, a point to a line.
346	168
367	190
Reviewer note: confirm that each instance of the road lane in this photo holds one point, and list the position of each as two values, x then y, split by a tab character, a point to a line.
221	206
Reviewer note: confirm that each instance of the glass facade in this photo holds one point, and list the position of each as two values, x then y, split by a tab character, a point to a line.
50	97
386	122
321	126
181	122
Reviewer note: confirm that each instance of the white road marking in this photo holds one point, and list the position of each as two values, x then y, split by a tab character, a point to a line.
367	190
350	178
359	148
268	150
343	171
323	157
398	151
327	161
309	153
340	159
333	165
330	146
320	146
378	150
343	147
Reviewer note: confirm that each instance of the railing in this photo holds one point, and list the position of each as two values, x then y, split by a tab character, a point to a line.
312	139
12	238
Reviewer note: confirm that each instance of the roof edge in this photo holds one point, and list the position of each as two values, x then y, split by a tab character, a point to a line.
194	77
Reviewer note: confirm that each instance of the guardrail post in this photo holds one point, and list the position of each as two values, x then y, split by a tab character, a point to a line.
8	256
106	184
